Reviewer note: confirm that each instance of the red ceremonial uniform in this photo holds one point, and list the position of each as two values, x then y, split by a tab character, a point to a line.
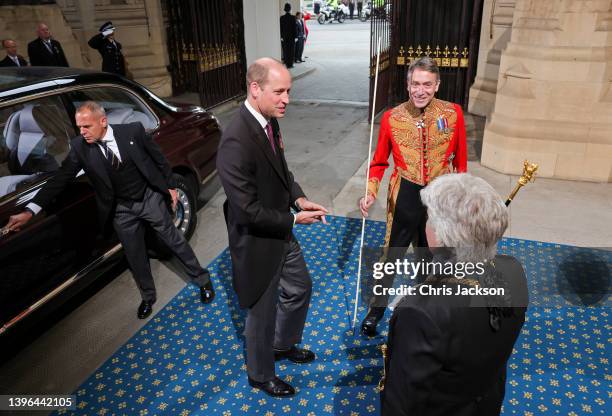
425	144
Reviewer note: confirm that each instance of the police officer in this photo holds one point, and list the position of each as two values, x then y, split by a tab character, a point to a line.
109	48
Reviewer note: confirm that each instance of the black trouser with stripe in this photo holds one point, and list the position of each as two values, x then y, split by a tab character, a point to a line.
408	227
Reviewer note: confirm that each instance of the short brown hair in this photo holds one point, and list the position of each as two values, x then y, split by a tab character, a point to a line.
424	63
258	71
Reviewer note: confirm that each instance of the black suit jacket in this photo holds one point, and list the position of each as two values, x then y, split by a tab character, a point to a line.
9	62
40	55
132	140
299	27
444	358
260	191
288	27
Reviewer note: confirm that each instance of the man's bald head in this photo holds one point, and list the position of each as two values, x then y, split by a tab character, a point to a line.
259	71
10	46
42	30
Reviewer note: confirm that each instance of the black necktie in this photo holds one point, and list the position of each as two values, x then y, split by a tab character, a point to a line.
109	155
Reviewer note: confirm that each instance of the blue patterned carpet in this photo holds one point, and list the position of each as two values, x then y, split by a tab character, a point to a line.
188	360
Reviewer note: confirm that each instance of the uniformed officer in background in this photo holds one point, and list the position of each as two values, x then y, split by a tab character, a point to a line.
109	48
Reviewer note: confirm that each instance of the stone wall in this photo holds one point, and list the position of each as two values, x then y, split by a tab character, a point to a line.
139	26
554	94
495	34
20	22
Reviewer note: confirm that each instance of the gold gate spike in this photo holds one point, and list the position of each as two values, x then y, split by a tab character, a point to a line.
400	56
464	60
446	59
455	60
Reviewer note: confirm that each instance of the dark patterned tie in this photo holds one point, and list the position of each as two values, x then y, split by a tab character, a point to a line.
271	136
109	155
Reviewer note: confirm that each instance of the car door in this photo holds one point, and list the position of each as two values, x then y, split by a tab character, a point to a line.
61	241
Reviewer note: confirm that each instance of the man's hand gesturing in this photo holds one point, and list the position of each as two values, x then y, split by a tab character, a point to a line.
310	213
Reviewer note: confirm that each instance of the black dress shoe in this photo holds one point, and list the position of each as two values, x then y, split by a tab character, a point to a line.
368	326
207	293
295	354
275	387
145	309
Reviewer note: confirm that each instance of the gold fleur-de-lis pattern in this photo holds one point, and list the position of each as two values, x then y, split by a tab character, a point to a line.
189	359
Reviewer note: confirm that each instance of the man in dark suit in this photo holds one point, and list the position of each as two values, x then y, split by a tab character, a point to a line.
270	274
134	187
44	51
109	48
288	32
12	58
301	37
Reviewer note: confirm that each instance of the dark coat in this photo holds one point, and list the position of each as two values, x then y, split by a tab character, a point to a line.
299	26
131	138
9	62
288	27
112	57
260	191
40	55
445	359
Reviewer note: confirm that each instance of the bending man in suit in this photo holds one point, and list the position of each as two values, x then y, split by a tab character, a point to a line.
134	187
12	58
45	51
270	274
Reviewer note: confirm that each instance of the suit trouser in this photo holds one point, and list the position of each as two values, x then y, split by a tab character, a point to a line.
288	47
276	320
408	227
130	222
299	48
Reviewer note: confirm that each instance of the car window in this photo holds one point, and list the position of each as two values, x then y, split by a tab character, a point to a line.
34	140
121	106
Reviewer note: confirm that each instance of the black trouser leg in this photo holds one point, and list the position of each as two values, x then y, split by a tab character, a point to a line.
408	227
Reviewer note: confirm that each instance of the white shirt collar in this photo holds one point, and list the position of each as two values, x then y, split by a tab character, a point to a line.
258	116
109	136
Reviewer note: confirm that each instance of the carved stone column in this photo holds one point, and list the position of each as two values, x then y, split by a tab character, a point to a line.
554	94
494	36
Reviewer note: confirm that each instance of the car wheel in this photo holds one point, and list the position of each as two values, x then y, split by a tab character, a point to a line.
185	216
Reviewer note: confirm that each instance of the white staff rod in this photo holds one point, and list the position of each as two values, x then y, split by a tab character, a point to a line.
366	181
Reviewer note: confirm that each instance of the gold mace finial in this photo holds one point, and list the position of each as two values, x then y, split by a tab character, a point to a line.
529	170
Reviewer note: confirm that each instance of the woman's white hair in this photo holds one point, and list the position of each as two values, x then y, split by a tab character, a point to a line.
466	214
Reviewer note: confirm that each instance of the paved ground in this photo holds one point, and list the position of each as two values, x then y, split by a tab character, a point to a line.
326	136
339	53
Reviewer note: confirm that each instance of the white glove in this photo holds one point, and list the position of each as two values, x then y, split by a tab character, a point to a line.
107	32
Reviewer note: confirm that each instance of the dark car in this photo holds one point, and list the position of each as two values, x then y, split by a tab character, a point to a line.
62	248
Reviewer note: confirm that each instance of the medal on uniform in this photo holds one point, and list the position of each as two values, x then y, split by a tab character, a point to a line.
443	124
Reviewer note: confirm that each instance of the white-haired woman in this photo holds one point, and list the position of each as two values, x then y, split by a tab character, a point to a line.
450	340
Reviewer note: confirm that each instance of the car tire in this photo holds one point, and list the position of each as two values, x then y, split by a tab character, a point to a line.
185	215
